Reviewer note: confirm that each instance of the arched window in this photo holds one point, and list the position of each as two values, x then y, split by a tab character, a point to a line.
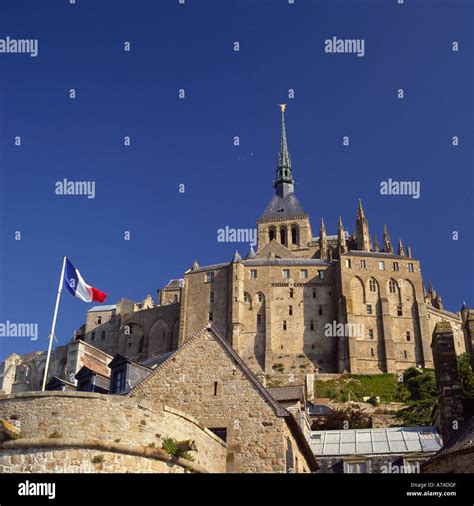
294	235
271	234
372	285
392	286
283	236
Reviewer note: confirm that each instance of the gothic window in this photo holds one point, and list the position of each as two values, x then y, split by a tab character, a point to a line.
283	236
271	234
372	285
294	235
392	286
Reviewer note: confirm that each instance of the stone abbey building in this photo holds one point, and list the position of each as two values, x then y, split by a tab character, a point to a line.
300	303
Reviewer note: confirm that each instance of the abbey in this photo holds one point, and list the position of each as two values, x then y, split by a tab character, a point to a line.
275	304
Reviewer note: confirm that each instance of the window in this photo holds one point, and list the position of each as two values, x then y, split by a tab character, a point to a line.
99	320
253	273
260	297
411	268
399	310
321	274
372	285
369	309
92	336
381	265
396	266
285	273
175	298
314	293
355	467
102	335
118	381
392	287
408	335
303	273
363	264
405	354
320	310
215	388
291	293
372	354
209	277
311	325
220	432
371	333
284	324
211	297
271	234
290	310
211	317
294	235
283	236
259	320
348	263
246	297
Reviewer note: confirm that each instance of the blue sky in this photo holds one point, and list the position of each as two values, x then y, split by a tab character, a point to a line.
190	141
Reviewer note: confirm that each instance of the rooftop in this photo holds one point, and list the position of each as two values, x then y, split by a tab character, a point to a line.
110	307
375	441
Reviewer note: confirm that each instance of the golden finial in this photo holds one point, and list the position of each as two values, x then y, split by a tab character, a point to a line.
282	107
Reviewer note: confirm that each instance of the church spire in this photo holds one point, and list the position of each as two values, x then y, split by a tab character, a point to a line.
323	243
363	236
387	244
284	183
401	249
341	238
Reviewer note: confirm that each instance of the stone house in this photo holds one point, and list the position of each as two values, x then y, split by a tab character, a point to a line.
206	378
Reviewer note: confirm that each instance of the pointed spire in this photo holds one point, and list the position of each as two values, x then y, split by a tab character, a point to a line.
387	245
376	244
251	253
401	249
323	243
284	183
195	265
409	252
341	238
363	236
237	257
360	210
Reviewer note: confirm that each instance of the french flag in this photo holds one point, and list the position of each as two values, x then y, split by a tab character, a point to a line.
76	286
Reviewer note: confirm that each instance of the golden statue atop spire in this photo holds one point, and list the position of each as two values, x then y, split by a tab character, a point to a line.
282	107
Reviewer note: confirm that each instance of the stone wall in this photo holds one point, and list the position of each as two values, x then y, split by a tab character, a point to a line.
109	418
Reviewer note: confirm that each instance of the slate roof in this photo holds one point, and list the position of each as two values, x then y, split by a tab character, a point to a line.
285	261
460	444
283	207
289	393
375	441
375	254
110	307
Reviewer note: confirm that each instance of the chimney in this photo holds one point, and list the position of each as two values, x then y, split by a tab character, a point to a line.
450	406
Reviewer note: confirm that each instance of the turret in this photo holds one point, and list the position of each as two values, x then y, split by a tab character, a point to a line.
363	237
323	243
387	245
341	238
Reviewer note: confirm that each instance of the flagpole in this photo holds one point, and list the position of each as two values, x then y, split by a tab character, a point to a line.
51	335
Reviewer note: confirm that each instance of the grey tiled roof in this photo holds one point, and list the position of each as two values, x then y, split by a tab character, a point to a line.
375	441
286	261
287	393
102	308
375	254
282	207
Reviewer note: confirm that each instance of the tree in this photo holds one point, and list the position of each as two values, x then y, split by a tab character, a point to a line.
466	375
